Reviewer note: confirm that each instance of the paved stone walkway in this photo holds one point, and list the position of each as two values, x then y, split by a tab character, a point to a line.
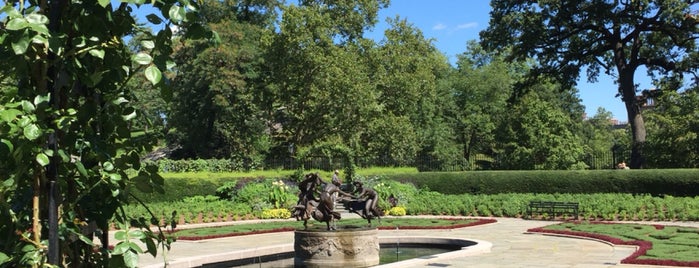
511	247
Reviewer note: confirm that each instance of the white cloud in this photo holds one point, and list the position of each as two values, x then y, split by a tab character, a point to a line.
439	26
467	25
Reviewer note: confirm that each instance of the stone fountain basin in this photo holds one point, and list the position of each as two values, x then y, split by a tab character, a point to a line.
469	247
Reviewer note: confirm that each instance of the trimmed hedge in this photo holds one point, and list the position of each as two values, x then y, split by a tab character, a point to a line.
674	182
179	186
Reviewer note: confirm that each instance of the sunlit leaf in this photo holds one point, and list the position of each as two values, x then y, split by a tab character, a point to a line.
108	166
104	3
153	74
36	18
99	53
131	114
120	100
81	168
130	259
8	183
27	106
16	24
39	99
32	132
137	234
177	13
148	44
9	115
143	58
8	144
20	45
120	235
42	159
4	258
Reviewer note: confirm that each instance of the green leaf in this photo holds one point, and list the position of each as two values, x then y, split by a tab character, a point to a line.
121	236
131	114
153	74
42	159
177	13
137	234
8	183
8	144
39	99
32	132
142	58
148	44
17	24
9	115
154	19
36	18
81	168
27	106
108	166
20	44
130	259
119	100
4	258
152	248
99	53
104	3
143	184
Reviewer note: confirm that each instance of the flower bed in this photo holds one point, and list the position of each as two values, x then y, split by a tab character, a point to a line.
643	246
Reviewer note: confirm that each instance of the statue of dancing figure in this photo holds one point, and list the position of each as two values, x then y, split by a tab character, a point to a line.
320	209
368	206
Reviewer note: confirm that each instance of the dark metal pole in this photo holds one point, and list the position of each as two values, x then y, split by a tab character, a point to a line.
52	168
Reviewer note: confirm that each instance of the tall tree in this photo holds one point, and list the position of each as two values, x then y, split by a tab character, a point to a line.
215	107
481	85
407	69
318	83
67	155
614	37
539	132
674	125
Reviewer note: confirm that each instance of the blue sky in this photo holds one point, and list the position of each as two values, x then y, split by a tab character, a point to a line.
451	23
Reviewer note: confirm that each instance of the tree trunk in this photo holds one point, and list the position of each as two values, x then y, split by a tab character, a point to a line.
635	117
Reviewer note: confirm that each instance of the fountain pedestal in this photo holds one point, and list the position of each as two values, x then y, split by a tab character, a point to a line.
348	247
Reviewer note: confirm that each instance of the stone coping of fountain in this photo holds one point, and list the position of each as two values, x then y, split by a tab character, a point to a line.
470	247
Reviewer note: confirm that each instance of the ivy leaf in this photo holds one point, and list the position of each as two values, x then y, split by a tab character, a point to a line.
153	74
142	58
32	132
42	159
108	166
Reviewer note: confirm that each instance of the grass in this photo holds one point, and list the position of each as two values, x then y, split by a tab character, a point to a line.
282	226
658	244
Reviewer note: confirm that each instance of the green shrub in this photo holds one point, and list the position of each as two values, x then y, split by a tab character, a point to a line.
674	182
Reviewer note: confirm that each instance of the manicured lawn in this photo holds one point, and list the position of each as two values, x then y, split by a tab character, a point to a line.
283	226
658	244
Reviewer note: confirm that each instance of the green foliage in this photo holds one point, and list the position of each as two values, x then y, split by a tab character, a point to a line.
65	134
673	128
594	37
276	213
674	182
